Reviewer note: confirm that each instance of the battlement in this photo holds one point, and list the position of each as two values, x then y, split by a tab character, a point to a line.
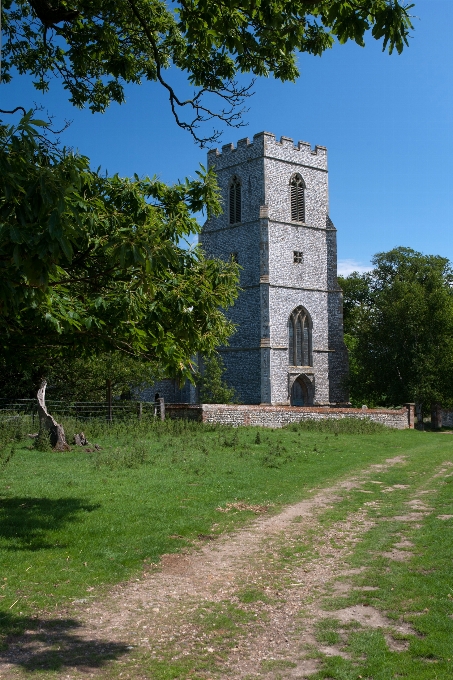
266	144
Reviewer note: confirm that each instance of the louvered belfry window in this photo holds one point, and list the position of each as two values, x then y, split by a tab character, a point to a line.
235	201
299	338
297	199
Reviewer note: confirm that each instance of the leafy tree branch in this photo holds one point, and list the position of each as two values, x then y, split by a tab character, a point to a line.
98	46
91	264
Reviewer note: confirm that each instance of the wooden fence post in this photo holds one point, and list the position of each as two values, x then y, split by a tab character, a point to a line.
162	408
140	410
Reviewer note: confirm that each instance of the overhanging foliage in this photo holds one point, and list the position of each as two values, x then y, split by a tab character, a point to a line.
98	46
92	263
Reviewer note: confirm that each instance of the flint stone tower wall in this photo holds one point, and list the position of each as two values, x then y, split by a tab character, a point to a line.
264	242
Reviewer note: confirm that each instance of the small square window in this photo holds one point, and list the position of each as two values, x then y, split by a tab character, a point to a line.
298	257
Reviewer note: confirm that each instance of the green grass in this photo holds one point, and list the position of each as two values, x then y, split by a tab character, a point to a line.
73	523
249	595
327	632
418	591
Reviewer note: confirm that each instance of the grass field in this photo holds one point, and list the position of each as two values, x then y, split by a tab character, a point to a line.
75	520
73	523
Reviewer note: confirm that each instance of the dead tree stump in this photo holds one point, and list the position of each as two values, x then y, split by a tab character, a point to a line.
47	422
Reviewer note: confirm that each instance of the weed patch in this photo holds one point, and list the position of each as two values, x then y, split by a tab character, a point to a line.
222	621
42	441
276	456
340	426
249	595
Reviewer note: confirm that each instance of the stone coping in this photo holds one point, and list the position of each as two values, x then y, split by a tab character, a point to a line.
297	409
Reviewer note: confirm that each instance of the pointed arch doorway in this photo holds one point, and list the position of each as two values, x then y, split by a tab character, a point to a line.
299	393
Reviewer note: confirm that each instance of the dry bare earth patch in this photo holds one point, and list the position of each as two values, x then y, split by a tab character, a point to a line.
274	600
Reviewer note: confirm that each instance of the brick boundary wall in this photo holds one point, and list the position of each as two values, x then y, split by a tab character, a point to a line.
279	416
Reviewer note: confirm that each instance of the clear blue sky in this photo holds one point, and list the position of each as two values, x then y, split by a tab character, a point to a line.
386	120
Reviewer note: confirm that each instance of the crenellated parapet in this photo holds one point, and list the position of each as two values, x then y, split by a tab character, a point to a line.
265	144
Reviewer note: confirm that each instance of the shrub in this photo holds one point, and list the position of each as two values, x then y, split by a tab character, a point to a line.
213	388
42	441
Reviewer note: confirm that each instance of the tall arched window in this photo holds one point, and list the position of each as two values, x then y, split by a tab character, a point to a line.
235	200
297	198
299	338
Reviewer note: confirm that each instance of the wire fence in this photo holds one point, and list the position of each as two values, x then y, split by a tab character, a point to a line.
82	410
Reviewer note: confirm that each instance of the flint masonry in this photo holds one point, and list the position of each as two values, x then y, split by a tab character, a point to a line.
288	348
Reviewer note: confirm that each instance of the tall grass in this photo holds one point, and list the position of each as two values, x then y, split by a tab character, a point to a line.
340	426
14	428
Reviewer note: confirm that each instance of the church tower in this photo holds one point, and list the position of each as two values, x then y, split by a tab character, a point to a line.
288	347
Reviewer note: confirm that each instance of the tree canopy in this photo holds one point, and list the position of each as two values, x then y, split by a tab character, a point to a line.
91	263
98	46
76	378
398	321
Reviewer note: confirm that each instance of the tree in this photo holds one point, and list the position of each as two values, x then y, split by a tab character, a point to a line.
398	322
84	379
97	46
77	378
213	388
92	264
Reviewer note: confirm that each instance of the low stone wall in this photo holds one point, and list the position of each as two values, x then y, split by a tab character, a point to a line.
447	418
279	416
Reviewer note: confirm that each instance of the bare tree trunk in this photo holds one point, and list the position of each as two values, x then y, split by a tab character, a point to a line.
47	422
